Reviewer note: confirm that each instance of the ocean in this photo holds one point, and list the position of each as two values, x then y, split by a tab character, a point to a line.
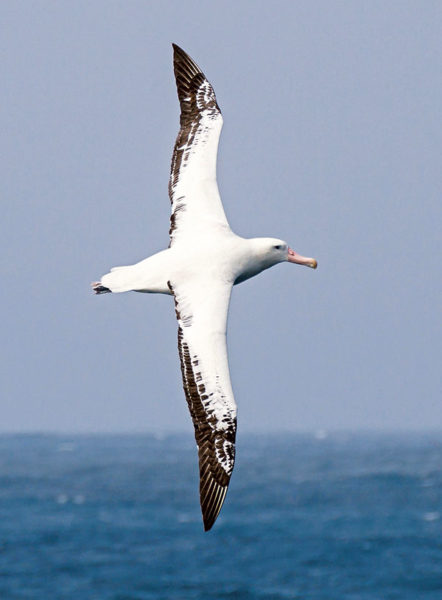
307	516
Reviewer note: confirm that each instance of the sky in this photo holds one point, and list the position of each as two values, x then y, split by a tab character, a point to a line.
332	140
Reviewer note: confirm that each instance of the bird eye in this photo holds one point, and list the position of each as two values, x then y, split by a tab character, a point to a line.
277	247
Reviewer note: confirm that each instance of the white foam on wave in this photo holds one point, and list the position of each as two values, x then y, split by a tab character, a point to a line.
431	516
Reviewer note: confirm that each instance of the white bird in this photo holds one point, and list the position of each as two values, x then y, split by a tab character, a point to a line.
205	259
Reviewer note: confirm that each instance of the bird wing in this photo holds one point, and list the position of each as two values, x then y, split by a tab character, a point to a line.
193	189
202	321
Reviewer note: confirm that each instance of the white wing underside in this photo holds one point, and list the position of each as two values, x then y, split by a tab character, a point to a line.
201	310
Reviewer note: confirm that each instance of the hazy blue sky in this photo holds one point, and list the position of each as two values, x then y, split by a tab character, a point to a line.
332	141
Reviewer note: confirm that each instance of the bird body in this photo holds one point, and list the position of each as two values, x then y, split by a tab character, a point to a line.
223	256
203	262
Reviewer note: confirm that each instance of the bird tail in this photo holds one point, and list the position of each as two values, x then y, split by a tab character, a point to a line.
120	279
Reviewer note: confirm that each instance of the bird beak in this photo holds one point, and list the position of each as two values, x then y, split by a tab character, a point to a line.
294	257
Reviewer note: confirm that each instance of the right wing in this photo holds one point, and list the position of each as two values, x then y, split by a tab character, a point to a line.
202	320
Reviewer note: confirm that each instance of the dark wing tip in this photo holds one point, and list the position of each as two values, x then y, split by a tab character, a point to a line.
179	53
212	500
214	482
183	64
189	80
177	49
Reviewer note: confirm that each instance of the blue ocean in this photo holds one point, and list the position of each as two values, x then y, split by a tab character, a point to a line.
325	516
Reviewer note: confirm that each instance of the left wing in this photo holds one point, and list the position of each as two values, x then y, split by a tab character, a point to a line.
193	189
202	320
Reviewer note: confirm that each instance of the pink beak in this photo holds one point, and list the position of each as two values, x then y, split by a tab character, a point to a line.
294	257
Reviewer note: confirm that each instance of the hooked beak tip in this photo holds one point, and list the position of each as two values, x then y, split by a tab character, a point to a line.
296	258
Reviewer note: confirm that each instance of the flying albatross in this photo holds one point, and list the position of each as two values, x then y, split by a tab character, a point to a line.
202	263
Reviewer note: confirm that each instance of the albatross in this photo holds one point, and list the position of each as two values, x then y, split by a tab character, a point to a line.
204	260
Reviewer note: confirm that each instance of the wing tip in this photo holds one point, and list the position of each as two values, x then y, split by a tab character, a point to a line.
179	53
207	526
208	523
210	510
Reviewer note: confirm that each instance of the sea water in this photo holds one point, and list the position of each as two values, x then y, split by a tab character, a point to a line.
307	516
